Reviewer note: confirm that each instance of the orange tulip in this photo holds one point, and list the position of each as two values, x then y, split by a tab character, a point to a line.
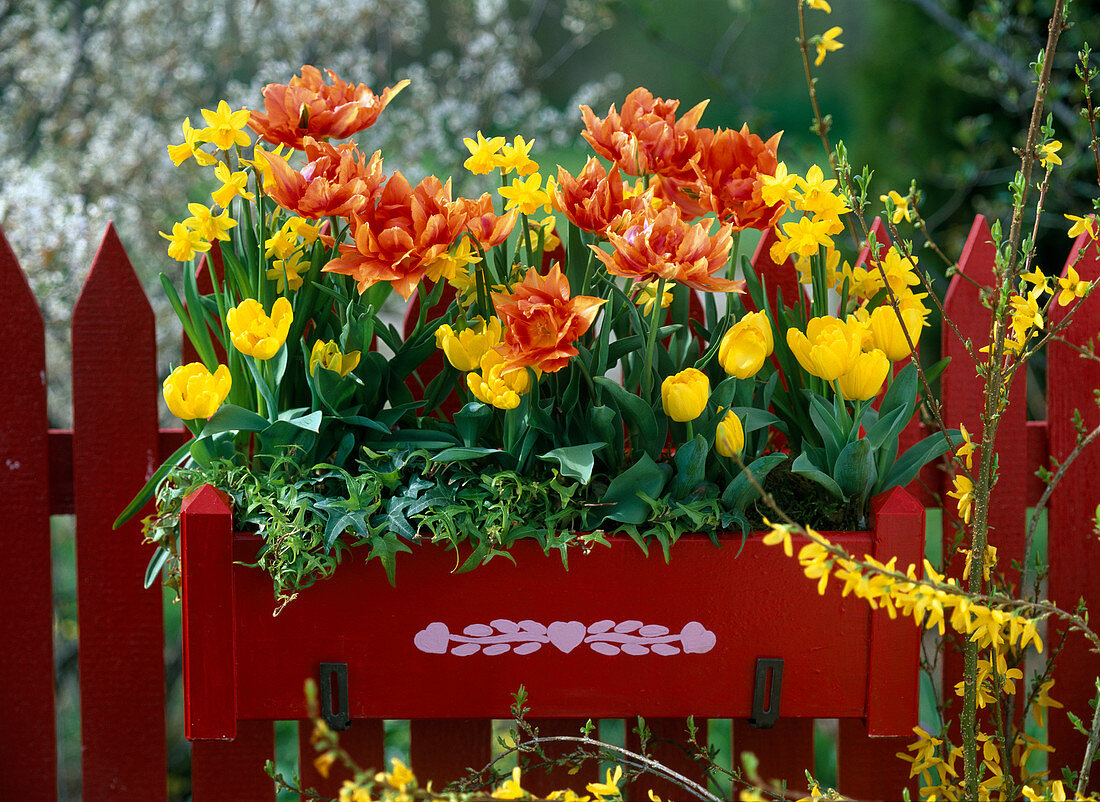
307	106
336	182
663	245
593	201
399	238
488	228
542	321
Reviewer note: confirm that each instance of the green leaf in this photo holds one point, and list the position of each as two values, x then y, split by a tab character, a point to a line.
231	418
902	391
909	464
831	431
855	468
575	461
803	467
464	453
691	466
638	416
888	425
160	557
606	424
150	487
741	491
753	418
472	421
644	476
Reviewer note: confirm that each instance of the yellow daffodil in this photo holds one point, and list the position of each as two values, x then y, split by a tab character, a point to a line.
888	334
647	296
510	788
464	349
1072	287
609	788
483	154
327	355
829	347
827	43
684	396
224	127
499	383
806	236
448	265
864	379
184	242
256	334
234	184
548	227
901	209
281	244
964	492
729	437
262	166
303	229
287	273
192	392
209	225
515	157
190	148
779	188
1082	225
526	194
1048	154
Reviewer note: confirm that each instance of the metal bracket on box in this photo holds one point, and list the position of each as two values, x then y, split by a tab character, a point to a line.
335	707
764	718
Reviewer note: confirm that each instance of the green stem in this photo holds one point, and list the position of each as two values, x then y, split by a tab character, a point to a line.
651	341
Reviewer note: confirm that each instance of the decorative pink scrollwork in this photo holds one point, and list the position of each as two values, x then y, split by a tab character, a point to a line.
605	637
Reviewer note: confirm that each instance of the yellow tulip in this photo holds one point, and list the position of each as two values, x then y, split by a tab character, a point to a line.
829	347
464	349
191	391
866	376
746	345
684	395
254	333
328	356
499	383
887	332
729	438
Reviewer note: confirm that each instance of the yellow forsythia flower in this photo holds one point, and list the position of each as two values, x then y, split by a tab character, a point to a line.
191	392
827	43
684	395
964	492
400	778
901	207
887	332
499	384
256	334
464	349
829	347
1048	154
1072	287
866	376
746	345
511	788
729	438
1081	224
328	356
350	792
609	788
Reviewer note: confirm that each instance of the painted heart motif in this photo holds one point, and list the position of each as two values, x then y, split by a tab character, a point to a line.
696	638
433	639
566	635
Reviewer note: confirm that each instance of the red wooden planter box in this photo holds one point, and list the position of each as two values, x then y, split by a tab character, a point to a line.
617	635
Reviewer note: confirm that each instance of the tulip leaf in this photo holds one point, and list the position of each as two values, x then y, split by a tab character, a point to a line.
908	465
753	418
644	476
463	453
606	425
691	466
803	467
576	461
831	431
637	415
902	391
159	558
855	468
231	418
741	490
472	421
888	425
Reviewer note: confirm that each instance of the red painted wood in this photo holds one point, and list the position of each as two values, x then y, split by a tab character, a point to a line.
1038	453
233	771
121	638
28	753
542	781
785	751
669	746
206	552
443	750
364	740
1073	550
894	689
868	767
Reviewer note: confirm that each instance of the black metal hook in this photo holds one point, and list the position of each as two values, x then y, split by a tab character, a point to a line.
335	707
764	718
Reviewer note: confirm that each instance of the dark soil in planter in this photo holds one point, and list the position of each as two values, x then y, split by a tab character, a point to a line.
806	502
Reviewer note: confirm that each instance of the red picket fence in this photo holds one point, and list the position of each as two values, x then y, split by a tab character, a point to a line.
115	444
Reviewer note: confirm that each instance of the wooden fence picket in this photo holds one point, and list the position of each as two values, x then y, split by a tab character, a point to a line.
26	598
116	448
1073	549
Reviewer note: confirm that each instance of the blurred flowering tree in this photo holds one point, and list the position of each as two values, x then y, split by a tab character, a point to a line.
93	93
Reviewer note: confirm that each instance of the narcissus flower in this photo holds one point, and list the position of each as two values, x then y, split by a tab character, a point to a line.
327	355
647	296
307	106
256	334
223	127
827	43
190	147
234	184
192	392
887	332
517	157
465	348
729	437
829	347
746	345
684	395
527	195
288	272
208	225
184	242
864	379
500	383
483	153
542	321
780	187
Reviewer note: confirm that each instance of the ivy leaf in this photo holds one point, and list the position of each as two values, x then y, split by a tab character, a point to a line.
576	461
